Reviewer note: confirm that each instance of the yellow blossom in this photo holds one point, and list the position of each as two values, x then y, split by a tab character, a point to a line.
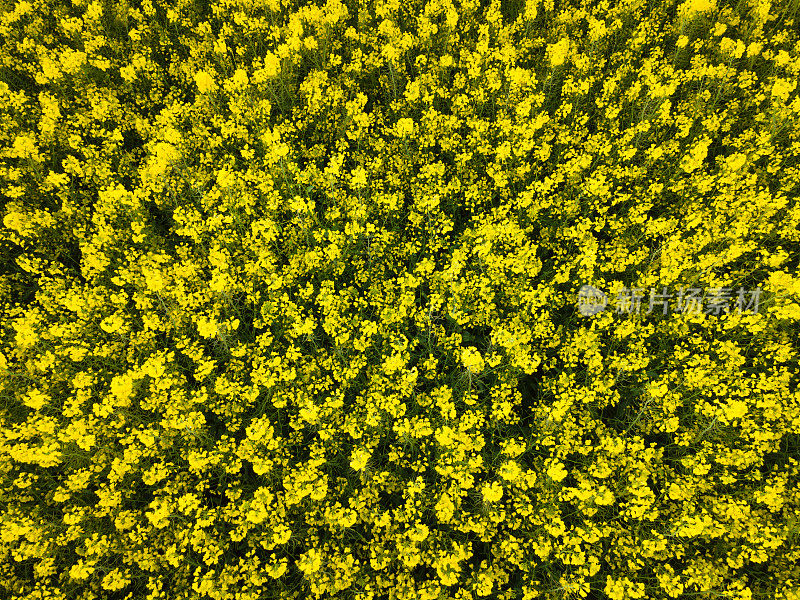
492	492
359	459
556	471
205	82
559	52
405	127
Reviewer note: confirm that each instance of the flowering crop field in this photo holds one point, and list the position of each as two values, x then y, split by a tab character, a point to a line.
419	300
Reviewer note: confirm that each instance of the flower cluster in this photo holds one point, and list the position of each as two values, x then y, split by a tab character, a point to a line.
287	299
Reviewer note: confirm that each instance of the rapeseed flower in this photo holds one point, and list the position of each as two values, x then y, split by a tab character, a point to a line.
559	52
205	82
310	282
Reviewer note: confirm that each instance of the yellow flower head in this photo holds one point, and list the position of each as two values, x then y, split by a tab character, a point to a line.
205	82
510	471
359	459
310	562
405	127
122	388
272	65
493	492
559	52
445	508
472	359
698	6
206	327
557	472
239	79
36	399
736	409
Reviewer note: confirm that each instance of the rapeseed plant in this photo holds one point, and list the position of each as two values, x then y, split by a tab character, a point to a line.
288	299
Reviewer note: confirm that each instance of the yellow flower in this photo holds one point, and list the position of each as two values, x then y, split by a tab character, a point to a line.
281	534
405	127
207	327
472	359
394	363
239	79
695	6
24	145
391	52
696	155
445	508
559	51
154	279
736	161
205	82
72	60
445	436
310	562
359	459
776	259
271	68
556	471
16	221
419	533
658	390
510	471
493	492
359	177
605	497
310	414
36	399
754	48
736	409
597	28
782	88
276	569
122	388
624	588
115	580
80	571
257	513
347	518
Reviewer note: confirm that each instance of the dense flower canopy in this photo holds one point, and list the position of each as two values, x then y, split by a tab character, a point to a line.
289	291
